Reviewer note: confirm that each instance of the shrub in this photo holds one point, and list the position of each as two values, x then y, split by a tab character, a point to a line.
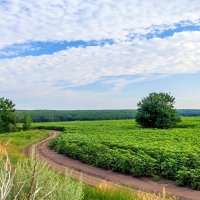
195	178
189	177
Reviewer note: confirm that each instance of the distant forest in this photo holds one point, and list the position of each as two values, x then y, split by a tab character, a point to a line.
76	115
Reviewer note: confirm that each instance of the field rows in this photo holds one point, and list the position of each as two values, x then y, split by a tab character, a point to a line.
124	147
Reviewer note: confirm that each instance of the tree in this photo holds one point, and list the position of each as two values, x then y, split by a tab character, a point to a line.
27	122
157	111
8	117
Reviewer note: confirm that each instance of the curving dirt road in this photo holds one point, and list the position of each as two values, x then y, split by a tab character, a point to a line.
95	176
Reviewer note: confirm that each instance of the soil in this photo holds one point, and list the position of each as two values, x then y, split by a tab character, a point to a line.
96	176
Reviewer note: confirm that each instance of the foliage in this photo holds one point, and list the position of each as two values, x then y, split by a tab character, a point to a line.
8	118
190	177
122	147
75	115
84	115
157	111
27	122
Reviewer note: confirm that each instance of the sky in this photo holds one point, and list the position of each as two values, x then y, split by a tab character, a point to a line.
99	54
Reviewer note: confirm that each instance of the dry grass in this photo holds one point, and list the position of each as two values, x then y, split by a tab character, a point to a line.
106	191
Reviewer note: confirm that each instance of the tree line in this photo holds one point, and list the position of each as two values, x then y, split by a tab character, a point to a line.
83	115
156	111
76	115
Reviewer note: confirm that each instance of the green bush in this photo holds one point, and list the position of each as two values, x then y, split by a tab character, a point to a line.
195	178
157	111
189	177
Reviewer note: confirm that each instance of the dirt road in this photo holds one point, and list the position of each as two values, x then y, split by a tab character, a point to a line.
94	176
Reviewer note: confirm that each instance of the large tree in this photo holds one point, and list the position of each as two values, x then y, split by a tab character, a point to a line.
8	118
157	111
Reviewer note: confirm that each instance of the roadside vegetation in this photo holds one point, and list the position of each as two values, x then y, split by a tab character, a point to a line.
31	179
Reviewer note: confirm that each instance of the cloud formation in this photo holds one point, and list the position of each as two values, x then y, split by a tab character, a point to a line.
81	66
59	20
125	22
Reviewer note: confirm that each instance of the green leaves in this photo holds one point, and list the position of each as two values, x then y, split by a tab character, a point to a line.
189	177
8	118
157	111
123	147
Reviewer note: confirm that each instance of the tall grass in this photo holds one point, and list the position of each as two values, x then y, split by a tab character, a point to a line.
31	179
16	142
105	192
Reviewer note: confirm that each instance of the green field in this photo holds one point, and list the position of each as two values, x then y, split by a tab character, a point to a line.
15	143
125	147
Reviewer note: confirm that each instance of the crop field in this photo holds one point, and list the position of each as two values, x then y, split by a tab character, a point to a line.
16	142
123	146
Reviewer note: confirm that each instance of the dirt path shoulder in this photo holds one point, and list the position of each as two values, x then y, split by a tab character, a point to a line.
95	176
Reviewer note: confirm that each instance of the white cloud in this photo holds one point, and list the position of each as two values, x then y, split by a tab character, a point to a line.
81	66
57	20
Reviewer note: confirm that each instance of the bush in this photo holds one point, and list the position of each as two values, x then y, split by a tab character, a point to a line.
157	111
189	177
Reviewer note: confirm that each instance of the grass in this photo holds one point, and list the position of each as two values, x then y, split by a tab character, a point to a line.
18	141
106	193
31	179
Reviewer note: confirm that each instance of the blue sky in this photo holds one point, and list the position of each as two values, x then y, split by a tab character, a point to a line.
99	54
